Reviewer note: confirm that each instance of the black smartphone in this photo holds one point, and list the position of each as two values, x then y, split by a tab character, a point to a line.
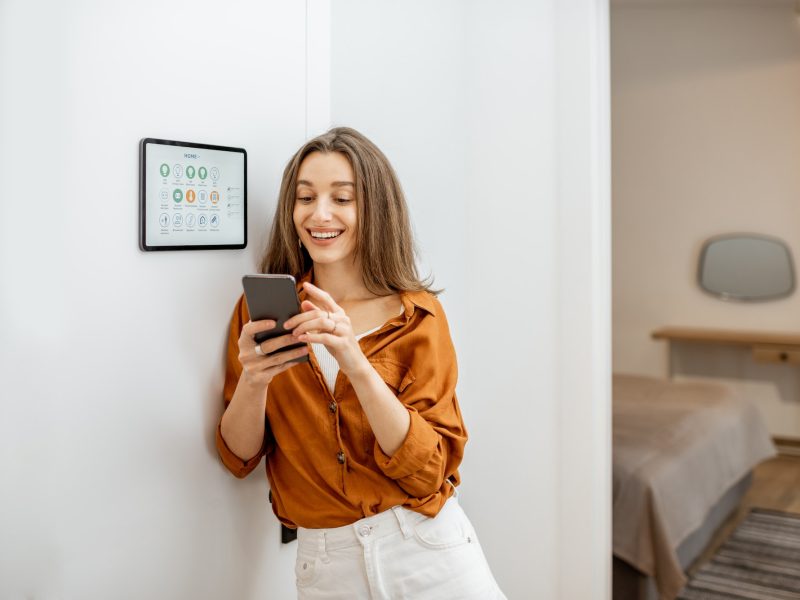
273	297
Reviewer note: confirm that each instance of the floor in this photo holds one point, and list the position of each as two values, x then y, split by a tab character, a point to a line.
776	485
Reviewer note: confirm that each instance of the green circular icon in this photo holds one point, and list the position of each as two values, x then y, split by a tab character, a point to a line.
202	172
177	195
164	169
190	172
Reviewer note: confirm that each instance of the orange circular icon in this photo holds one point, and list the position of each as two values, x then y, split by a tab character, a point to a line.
190	195
214	197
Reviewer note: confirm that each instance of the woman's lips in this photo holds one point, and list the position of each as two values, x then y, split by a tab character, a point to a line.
327	241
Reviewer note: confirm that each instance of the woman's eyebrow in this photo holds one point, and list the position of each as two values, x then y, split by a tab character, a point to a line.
334	184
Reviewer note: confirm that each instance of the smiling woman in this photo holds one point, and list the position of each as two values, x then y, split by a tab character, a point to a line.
363	442
325	213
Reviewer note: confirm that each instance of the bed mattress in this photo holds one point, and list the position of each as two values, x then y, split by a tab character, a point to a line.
679	446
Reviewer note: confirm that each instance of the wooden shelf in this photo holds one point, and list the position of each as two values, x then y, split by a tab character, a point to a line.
789	341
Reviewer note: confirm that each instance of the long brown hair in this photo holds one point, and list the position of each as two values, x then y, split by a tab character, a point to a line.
384	244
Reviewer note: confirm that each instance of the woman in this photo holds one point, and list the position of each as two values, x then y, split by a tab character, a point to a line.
363	441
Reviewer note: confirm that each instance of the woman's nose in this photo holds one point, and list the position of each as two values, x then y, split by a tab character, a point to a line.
322	210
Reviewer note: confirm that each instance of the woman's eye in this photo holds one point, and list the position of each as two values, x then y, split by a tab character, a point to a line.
344	200
305	199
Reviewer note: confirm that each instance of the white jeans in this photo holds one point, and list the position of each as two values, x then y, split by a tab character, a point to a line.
395	555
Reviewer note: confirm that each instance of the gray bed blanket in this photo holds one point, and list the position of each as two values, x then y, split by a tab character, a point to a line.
678	446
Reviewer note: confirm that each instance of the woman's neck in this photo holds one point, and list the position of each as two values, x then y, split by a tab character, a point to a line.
342	281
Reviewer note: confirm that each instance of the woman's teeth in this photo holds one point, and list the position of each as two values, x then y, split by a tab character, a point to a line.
323	236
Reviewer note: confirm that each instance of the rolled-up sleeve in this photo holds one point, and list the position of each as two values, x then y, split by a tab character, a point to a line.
434	445
233	370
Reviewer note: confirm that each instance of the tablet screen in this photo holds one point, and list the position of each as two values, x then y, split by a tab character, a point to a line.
193	196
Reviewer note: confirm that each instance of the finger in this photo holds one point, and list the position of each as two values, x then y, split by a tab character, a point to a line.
270	346
320	338
305	316
279	358
322	297
281	368
322	324
307	306
253	327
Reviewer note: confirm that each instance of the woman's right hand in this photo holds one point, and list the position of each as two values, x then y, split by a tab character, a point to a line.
259	370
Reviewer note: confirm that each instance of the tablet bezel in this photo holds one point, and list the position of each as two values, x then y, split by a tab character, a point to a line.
143	196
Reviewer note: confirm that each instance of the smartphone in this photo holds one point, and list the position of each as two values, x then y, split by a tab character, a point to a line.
273	297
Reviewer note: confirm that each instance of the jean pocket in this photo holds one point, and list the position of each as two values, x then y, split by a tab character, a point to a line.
306	570
449	529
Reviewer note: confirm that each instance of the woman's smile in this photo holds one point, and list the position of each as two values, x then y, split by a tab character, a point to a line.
324	237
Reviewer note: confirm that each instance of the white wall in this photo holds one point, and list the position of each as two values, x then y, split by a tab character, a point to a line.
706	140
472	102
112	358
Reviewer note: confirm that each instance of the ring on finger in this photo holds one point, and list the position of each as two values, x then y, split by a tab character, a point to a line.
260	350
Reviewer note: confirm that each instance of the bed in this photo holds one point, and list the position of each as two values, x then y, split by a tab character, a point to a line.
682	460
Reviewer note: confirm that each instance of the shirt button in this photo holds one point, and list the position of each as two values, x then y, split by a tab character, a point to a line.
364	530
340	457
332	406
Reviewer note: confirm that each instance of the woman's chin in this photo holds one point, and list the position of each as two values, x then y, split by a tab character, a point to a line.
321	257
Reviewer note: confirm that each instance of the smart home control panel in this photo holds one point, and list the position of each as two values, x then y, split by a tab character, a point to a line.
192	196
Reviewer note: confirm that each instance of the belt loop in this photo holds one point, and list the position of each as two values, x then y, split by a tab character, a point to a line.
321	547
401	519
455	489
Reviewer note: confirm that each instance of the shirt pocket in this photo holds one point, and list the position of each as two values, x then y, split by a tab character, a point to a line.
396	375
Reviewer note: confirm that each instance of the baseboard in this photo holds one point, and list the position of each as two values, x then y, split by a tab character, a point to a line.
787	446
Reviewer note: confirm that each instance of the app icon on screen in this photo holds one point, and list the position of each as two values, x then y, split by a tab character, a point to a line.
190	171
178	170
164	170
177	220
163	220
177	195
190	196
202	172
214	173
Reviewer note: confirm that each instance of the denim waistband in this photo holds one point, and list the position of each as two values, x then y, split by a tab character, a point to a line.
391	521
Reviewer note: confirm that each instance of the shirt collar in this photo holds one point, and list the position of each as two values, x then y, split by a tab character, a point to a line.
420	299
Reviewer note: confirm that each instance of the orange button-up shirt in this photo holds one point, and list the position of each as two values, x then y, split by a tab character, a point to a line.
324	465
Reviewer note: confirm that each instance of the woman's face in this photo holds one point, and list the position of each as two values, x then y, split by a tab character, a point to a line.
325	214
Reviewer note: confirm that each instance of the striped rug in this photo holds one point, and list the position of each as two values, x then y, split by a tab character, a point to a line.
760	561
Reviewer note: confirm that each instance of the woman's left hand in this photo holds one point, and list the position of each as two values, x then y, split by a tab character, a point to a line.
325	322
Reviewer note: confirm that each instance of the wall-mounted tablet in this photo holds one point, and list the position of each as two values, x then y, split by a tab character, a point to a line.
191	196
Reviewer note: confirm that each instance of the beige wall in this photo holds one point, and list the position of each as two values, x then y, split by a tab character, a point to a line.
705	140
